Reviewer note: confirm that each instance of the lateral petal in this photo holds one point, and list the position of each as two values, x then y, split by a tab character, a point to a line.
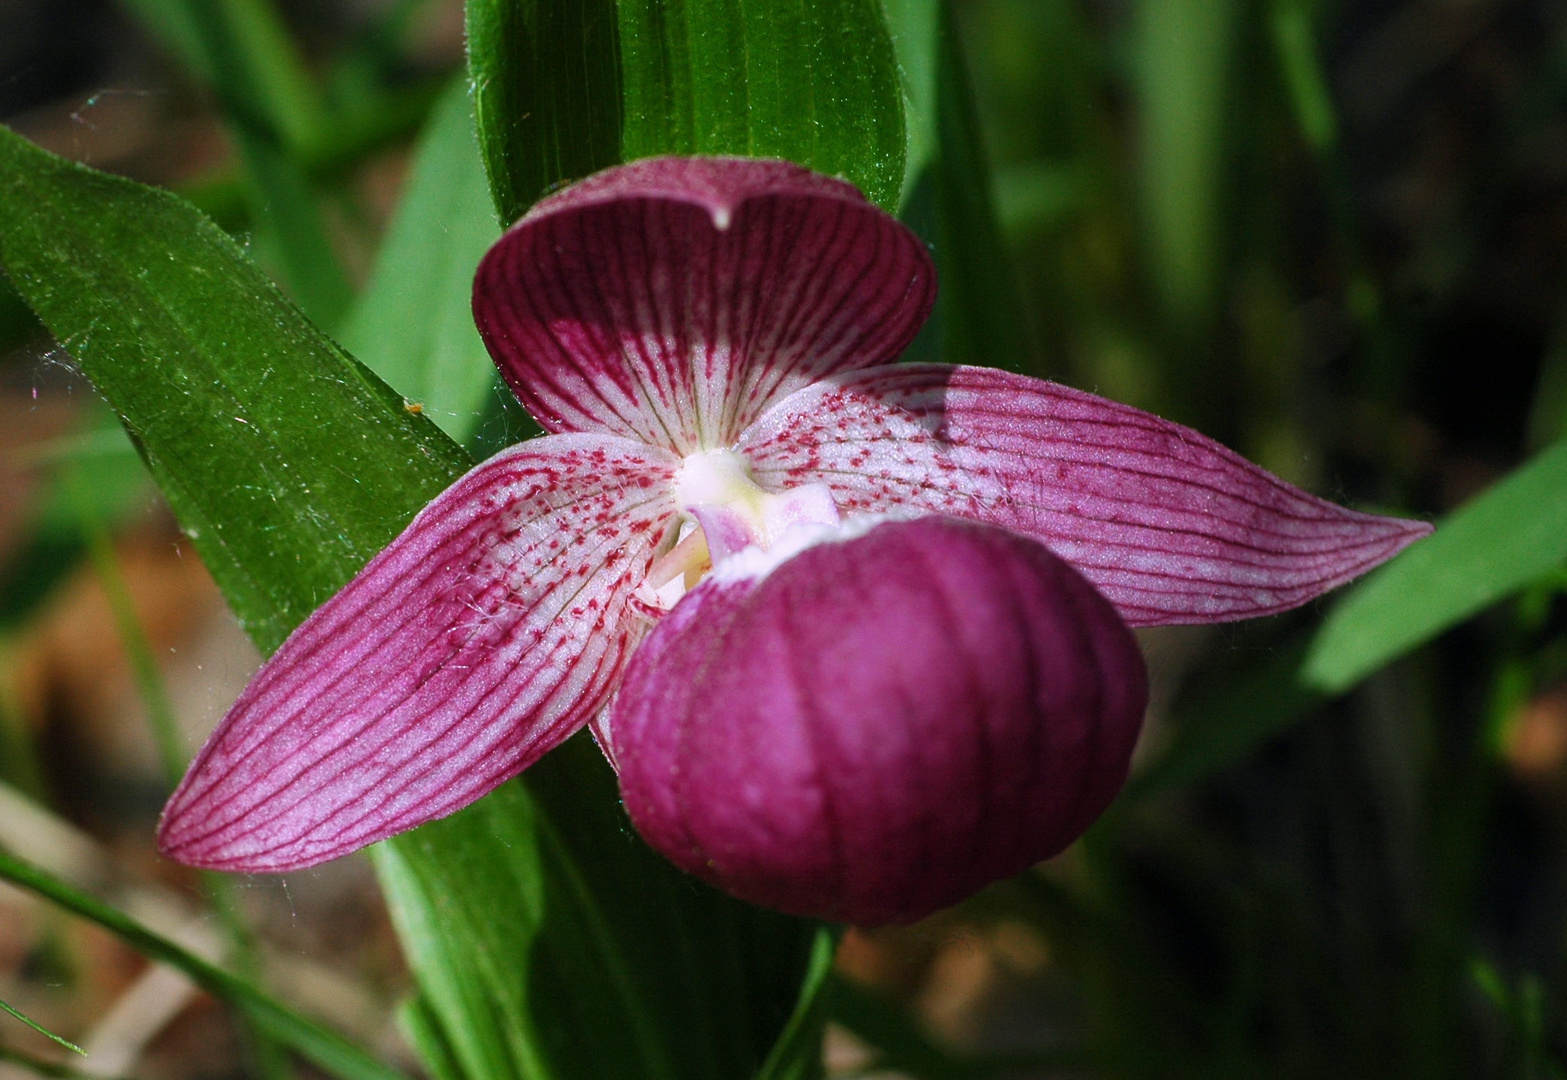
673	300
1171	526
492	628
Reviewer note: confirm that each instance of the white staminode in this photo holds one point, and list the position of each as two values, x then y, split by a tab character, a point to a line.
750	531
716	485
717	478
756	562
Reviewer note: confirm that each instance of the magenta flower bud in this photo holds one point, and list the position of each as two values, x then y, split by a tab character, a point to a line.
879	726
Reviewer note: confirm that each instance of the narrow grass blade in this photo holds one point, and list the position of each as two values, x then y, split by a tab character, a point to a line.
329	1051
40	1028
981	308
798	1053
243	50
1497	544
1182	55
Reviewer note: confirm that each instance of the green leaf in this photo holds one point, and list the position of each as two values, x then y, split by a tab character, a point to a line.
915	29
424	1034
1548	413
291	236
546	93
814	81
414	323
797	1055
291	464
1497	544
4	1007
111	478
982	316
1295	41
549	942
1183	51
40	1067
331	1052
138	650
564	89
288	463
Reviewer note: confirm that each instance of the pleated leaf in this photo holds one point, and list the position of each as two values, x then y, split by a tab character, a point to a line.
545	885
291	465
288	463
811	81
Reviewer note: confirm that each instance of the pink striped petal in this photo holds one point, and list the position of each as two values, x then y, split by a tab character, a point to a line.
673	300
1168	524
492	628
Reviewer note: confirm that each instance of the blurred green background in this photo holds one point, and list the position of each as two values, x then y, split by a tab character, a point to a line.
1333	236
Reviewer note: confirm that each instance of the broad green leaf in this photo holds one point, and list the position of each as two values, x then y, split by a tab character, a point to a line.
468	924
36	1026
291	464
814	81
546	93
288	463
1498	543
414	323
563	90
541	887
331	1052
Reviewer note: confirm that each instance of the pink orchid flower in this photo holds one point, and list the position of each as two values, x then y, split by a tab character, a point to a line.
882	609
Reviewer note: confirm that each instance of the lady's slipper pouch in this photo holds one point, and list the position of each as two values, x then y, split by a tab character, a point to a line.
854	634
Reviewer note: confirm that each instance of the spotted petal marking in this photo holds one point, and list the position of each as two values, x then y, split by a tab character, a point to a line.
1171	526
673	300
492	628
